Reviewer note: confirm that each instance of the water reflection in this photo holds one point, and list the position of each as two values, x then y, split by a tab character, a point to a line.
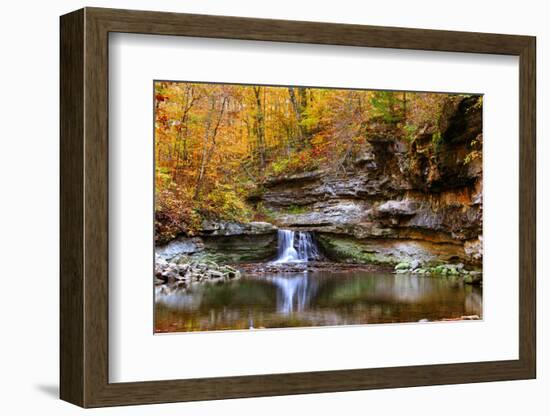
294	292
313	299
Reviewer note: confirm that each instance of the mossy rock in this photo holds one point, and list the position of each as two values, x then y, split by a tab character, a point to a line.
348	250
403	266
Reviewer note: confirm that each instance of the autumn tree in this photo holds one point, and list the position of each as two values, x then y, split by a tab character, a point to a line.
216	143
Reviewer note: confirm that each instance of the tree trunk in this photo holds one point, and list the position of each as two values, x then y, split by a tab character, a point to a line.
298	110
260	127
183	132
207	151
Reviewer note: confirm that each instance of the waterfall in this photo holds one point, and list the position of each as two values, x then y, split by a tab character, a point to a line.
296	247
286	251
307	248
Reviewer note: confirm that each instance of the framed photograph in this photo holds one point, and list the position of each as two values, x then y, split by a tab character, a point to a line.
254	207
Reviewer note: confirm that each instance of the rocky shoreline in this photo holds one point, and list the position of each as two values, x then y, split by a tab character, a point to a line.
211	272
313	266
193	272
443	270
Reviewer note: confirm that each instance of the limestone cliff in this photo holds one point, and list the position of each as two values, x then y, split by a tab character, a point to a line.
403	198
225	242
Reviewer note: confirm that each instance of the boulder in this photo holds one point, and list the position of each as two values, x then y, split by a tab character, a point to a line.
193	272
179	246
398	208
415	264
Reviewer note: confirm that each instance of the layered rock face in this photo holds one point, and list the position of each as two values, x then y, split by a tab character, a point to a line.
224	242
401	200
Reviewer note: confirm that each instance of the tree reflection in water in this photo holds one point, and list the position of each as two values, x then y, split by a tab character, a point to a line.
313	299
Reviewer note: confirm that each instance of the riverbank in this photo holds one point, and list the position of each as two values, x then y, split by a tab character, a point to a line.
294	251
187	261
351	296
185	274
313	266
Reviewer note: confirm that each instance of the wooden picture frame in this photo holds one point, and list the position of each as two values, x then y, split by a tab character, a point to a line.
84	207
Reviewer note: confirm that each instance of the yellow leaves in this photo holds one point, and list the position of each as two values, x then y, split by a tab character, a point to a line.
224	203
208	159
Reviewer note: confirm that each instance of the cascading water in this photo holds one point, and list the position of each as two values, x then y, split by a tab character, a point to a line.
286	252
294	292
296	247
307	248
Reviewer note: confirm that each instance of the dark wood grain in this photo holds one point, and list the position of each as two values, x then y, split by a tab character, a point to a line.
71	100
225	27
527	207
84	207
96	208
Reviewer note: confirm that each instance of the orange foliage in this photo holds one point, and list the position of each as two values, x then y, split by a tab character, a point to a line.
216	143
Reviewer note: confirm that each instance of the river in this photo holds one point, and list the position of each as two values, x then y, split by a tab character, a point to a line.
279	300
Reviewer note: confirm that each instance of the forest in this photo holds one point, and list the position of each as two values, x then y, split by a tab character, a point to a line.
216	144
280	206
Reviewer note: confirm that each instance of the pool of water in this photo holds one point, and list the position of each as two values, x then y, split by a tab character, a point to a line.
313	299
